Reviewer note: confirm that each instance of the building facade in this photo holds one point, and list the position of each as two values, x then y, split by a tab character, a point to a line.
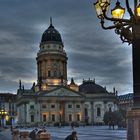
52	99
125	102
8	111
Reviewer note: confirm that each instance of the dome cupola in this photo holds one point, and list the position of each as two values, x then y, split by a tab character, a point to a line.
90	87
51	34
51	59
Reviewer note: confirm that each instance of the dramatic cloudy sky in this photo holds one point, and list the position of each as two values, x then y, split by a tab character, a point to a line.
92	52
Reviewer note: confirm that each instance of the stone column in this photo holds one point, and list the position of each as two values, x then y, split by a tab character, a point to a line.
133	116
133	121
92	114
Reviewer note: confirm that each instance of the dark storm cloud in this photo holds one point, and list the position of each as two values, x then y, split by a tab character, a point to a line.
92	52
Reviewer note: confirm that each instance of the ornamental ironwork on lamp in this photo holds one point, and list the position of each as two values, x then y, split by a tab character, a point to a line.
123	27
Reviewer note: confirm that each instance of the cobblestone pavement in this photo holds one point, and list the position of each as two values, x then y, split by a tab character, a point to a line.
84	133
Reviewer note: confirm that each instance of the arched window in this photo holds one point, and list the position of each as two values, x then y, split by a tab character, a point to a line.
98	111
44	117
32	118
78	117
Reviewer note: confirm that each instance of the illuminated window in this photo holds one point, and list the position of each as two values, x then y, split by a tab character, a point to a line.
53	106
44	117
78	117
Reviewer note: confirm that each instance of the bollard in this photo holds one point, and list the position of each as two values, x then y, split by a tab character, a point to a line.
24	135
44	136
15	134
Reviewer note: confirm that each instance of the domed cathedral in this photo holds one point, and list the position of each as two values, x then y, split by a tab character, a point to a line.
51	99
51	60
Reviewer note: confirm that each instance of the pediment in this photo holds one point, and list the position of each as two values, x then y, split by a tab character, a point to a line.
63	92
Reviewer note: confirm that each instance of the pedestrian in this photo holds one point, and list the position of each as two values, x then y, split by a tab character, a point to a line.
113	124
11	128
72	136
109	124
32	135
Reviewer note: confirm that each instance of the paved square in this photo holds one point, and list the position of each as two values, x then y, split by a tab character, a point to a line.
89	133
84	133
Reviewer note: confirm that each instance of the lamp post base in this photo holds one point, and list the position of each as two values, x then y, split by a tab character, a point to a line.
133	124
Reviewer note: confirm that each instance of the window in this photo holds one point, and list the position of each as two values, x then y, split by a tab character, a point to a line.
110	107
31	106
98	111
77	106
53	117
78	117
12	106
55	73
53	106
44	117
32	118
86	112
49	73
69	105
43	106
70	117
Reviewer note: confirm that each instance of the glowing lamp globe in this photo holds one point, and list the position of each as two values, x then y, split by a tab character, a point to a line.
138	10
100	6
98	10
118	11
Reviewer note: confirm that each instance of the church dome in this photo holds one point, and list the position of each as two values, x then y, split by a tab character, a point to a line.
91	88
51	34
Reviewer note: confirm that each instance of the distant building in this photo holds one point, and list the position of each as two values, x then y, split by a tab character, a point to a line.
98	101
125	101
8	112
51	99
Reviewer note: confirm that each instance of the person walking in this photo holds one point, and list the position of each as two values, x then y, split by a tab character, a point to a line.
72	136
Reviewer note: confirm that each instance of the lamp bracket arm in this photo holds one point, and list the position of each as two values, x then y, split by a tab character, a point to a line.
129	9
107	28
114	19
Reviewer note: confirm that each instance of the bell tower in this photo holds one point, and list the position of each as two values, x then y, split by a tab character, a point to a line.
51	59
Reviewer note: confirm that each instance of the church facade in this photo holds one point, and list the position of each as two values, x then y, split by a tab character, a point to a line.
51	99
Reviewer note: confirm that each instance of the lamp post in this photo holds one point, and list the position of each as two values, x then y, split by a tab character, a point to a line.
129	32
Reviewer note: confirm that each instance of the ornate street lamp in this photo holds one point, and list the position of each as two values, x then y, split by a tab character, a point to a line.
123	27
129	32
